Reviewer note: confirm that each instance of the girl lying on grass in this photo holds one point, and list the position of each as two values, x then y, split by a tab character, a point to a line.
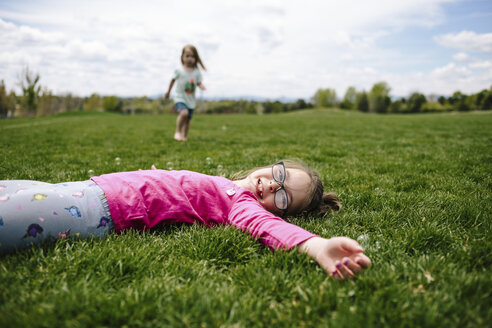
32	212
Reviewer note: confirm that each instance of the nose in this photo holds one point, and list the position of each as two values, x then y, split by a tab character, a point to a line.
274	185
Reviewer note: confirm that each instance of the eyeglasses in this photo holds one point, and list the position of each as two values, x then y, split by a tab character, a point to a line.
280	199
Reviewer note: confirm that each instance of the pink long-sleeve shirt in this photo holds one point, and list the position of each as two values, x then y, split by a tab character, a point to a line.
144	199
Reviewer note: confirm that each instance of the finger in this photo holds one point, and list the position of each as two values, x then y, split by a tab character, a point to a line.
345	272
331	270
336	275
353	266
153	167
362	260
351	245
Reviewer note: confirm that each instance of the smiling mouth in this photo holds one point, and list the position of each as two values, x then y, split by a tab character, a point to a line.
259	189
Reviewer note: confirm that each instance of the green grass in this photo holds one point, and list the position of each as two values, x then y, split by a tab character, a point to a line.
419	187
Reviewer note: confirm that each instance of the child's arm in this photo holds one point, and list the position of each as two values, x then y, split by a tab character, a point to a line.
341	257
201	86
166	96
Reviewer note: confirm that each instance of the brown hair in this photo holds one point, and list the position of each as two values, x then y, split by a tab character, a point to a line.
318	202
195	53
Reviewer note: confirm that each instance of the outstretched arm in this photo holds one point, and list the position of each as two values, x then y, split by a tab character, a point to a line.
341	257
166	96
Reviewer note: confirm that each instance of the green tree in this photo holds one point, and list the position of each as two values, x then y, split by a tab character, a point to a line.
325	98
142	104
483	99
112	104
70	103
349	99
379	99
4	100
459	101
13	103
277	107
415	102
28	82
301	104
47	104
362	101
156	105
486	102
432	106
93	102
397	106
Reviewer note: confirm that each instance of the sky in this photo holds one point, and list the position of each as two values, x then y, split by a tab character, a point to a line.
251	48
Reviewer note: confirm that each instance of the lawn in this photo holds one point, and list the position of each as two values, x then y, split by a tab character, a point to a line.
417	194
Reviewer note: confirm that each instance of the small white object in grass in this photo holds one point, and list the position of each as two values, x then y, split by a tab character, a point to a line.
219	168
224	127
363	240
169	166
91	173
117	160
208	160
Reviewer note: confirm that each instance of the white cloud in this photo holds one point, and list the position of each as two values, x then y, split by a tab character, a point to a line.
443	80
471	61
461	56
467	41
90	51
262	47
481	64
450	71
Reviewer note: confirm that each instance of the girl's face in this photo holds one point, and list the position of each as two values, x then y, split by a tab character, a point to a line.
188	58
297	185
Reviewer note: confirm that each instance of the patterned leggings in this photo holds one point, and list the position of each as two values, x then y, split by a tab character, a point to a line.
32	212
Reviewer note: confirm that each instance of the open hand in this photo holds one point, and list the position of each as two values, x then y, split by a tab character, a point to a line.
341	257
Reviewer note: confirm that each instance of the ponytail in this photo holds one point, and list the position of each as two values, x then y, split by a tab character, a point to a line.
321	202
330	203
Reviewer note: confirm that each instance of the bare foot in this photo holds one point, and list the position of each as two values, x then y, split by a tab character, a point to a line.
177	137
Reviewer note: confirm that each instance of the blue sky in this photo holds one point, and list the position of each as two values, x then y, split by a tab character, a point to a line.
269	48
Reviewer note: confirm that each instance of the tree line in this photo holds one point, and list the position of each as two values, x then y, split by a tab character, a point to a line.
36	101
378	100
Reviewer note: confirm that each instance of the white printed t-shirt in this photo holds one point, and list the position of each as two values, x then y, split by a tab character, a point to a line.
186	84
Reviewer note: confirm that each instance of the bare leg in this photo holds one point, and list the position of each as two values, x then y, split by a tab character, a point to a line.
186	127
180	122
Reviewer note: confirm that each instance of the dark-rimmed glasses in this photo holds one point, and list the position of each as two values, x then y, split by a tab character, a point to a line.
281	200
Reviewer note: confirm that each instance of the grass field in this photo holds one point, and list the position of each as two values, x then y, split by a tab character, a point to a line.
416	189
